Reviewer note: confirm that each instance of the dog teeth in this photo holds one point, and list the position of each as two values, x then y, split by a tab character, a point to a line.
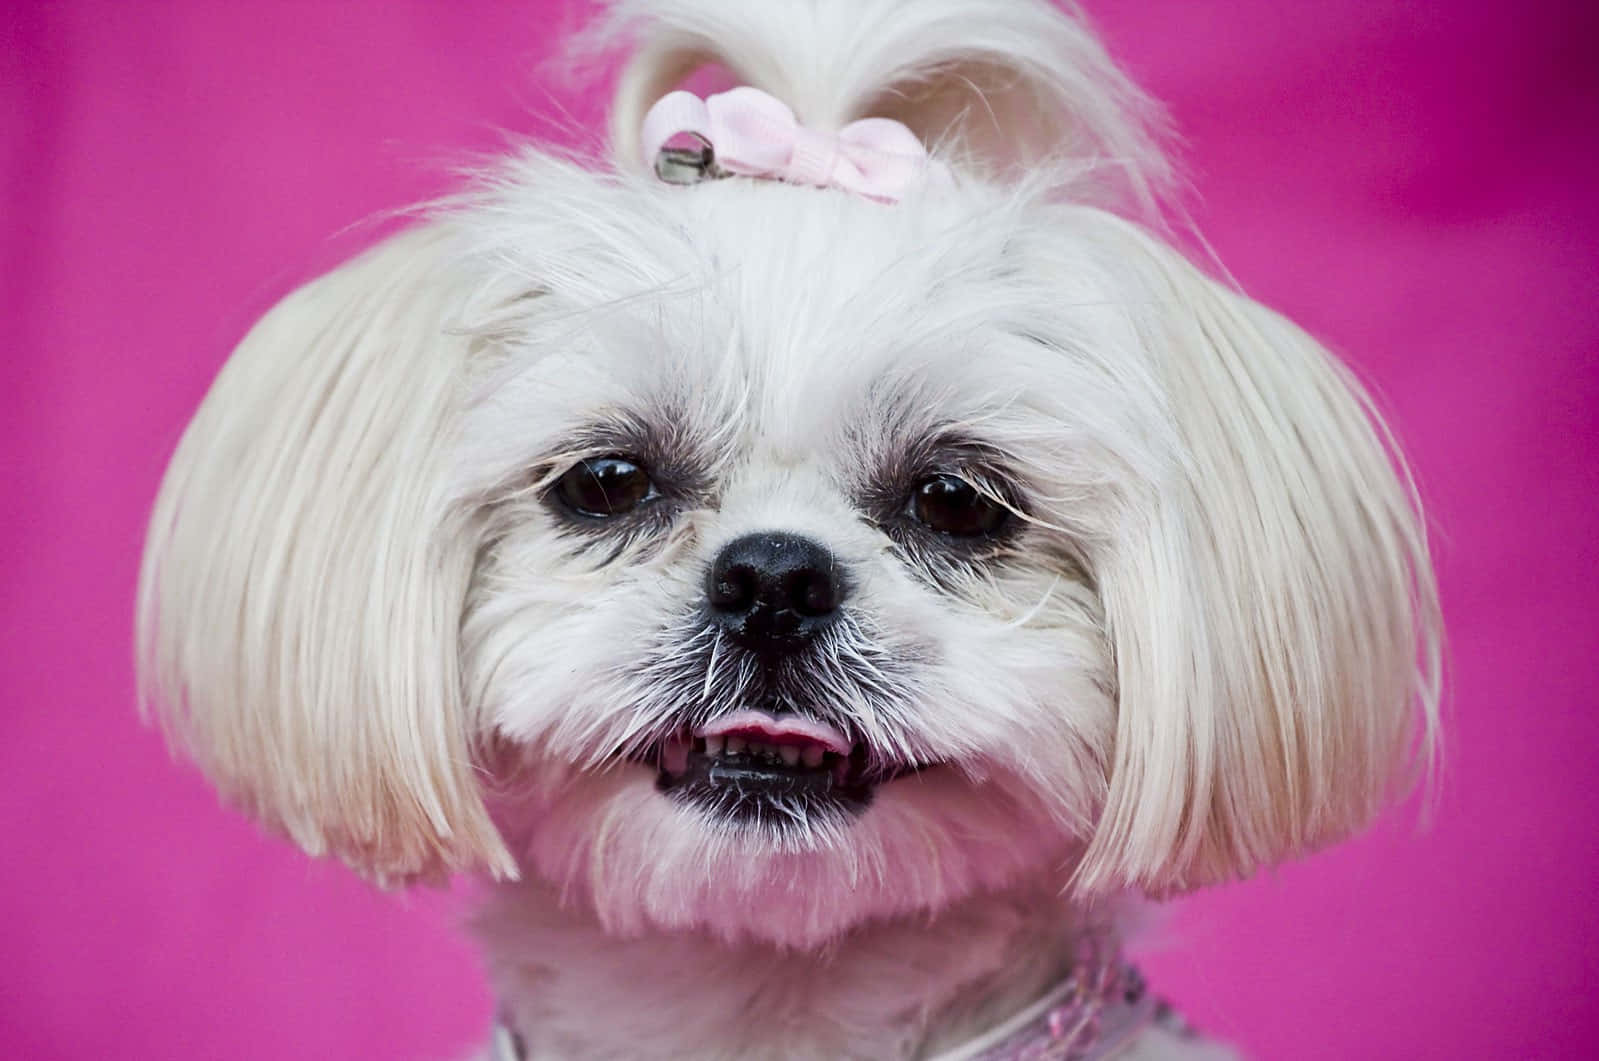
811	755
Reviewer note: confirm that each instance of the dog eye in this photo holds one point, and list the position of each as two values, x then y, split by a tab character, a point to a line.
602	487
951	505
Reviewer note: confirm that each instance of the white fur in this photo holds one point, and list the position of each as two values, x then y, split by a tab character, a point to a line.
1213	644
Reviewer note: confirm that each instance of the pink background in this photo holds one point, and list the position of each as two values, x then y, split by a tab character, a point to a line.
1416	182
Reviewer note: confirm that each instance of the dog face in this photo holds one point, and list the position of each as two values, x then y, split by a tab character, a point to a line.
759	559
808	501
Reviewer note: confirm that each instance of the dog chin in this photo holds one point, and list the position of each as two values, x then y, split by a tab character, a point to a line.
640	859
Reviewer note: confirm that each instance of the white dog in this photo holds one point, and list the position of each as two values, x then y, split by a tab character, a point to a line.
812	566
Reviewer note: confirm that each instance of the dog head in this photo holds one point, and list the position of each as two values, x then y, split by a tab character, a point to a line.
761	559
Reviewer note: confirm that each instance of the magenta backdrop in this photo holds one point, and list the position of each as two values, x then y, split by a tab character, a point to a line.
1416	182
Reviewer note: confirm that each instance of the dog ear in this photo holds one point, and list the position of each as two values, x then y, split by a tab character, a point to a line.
303	578
1270	599
998	86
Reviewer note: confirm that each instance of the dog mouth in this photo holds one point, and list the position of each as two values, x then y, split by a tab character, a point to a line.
760	766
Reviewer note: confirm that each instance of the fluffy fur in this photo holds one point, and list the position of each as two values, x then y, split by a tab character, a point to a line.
1208	642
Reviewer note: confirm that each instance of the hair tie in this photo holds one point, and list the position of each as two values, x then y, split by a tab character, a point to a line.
746	132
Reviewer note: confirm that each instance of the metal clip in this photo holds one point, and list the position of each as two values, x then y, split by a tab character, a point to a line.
688	164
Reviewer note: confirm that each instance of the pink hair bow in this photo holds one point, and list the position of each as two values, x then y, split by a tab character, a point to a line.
746	132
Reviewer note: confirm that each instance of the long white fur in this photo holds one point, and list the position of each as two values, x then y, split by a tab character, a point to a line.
1213	646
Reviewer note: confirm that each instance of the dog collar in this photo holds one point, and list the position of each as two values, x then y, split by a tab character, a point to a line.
1092	1015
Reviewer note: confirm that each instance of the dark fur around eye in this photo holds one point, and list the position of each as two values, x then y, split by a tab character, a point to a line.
948	496
636	472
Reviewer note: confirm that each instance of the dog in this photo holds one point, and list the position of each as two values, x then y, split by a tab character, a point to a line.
813	566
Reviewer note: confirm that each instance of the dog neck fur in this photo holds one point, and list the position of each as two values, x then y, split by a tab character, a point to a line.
903	987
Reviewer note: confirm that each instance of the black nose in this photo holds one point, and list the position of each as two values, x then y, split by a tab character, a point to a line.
773	592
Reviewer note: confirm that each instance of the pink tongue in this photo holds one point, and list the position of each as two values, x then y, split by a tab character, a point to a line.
758	725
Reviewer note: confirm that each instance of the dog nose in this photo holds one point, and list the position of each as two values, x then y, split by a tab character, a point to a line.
773	592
